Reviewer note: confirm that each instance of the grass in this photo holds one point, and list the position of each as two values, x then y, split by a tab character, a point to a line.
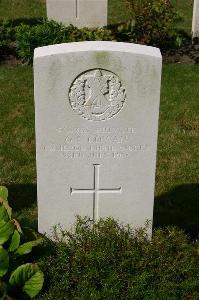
17	129
17	150
179	127
177	188
185	8
22	9
34	9
109	261
117	11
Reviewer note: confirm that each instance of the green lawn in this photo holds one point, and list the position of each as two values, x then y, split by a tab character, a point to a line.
177	166
24	9
117	11
177	188
185	8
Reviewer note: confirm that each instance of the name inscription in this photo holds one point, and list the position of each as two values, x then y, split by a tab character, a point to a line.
84	143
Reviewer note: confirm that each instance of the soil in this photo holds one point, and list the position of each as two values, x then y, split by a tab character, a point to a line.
10	60
188	54
9	56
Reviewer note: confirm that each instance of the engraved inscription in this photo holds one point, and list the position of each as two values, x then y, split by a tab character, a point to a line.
97	95
98	143
96	191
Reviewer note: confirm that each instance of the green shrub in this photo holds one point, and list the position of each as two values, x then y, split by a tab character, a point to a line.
152	27
154	22
110	261
50	32
16	279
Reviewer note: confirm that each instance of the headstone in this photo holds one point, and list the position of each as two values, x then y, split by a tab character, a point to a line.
97	106
195	21
80	13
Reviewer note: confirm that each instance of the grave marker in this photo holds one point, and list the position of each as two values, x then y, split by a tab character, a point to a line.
195	21
96	191
97	106
80	13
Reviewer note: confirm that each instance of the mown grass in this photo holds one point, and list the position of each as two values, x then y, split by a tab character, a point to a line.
177	188
185	8
22	9
117	10
17	150
179	127
17	125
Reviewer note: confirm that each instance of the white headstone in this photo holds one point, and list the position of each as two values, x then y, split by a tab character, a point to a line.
97	106
80	13
195	21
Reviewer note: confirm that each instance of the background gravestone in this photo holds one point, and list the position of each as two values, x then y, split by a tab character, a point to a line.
80	13
195	21
97	106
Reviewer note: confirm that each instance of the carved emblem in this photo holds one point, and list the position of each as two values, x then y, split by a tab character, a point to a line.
97	95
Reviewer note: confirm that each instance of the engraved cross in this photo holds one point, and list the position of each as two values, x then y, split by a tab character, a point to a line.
77	9
96	191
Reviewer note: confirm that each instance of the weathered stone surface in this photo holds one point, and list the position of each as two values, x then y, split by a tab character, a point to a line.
97	106
80	13
195	21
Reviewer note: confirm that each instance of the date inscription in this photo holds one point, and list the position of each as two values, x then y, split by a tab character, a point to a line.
101	143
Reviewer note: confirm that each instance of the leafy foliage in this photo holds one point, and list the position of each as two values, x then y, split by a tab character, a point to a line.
50	32
110	261
26	278
151	24
4	261
154	22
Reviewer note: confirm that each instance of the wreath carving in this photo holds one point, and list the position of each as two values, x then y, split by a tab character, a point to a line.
97	95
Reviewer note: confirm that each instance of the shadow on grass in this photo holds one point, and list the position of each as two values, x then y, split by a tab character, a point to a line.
23	200
22	196
27	21
179	207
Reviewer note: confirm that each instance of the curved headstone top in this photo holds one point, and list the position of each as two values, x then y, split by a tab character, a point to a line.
96	111
97	46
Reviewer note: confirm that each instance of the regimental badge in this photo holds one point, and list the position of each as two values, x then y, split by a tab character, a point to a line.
97	95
